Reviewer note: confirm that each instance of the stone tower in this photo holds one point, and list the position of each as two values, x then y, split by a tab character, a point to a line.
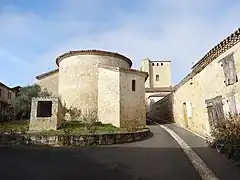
159	73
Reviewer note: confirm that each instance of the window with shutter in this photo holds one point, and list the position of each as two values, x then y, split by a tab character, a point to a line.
215	110
229	70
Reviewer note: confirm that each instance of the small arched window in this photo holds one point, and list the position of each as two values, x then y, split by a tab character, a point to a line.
152	64
157	77
133	85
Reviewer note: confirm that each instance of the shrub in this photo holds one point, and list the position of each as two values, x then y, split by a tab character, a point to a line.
227	137
24	99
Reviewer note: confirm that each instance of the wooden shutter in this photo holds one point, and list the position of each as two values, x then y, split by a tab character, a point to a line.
210	113
226	71
232	104
218	107
215	109
232	70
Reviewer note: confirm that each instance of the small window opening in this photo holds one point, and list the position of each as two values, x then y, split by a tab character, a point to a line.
157	64
157	77
44	109
152	64
9	95
161	64
133	85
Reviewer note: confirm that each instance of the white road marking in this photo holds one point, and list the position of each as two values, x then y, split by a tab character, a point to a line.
197	162
191	131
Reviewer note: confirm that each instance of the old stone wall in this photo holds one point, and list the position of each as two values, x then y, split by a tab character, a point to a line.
109	95
132	103
49	82
162	109
189	99
78	79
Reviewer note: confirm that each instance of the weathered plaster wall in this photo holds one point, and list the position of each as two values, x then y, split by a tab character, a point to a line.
50	83
207	84
109	96
132	107
78	79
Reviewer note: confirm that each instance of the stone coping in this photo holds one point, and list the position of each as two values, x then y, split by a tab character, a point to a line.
92	52
47	74
74	140
159	89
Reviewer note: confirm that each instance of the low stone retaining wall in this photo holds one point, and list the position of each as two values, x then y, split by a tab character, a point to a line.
70	140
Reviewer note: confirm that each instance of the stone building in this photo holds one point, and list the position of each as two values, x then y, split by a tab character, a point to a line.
158	83
101	81
209	92
7	102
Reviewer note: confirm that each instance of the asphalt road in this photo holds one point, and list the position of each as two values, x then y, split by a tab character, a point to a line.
159	157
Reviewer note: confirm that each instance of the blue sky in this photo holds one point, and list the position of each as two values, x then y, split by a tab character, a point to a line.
34	33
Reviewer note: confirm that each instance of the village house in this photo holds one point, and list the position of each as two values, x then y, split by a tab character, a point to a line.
7	102
209	93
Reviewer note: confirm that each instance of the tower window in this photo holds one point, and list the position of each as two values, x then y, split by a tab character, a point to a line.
161	64
157	64
152	64
157	77
133	85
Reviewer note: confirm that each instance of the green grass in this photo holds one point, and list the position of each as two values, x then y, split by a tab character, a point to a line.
21	125
67	127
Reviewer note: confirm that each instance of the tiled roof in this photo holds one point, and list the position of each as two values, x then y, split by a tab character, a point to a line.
215	52
46	74
93	52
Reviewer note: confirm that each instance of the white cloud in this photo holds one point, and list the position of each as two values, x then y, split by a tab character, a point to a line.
165	30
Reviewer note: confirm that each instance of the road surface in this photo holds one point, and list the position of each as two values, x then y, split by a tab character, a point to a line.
159	157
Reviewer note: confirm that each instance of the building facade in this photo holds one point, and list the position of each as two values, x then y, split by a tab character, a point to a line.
101	81
158	83
209	93
211	90
7	102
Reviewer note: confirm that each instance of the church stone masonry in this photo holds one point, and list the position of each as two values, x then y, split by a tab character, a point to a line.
101	81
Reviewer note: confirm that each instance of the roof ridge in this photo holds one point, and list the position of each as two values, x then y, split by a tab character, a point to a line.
93	52
215	52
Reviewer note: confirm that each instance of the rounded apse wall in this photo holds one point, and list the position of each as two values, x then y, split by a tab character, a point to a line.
78	76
